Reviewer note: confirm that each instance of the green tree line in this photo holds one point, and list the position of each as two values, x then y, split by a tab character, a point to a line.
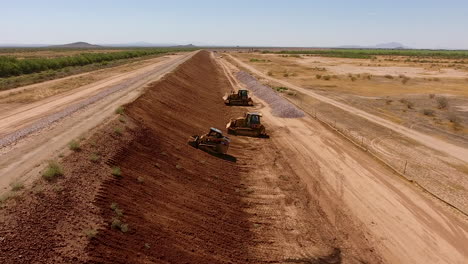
11	66
369	53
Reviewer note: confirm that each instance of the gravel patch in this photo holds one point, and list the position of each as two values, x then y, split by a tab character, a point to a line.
47	121
280	106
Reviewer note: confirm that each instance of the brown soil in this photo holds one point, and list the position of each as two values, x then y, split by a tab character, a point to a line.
181	205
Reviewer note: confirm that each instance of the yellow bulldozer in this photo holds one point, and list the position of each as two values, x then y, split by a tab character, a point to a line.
214	141
240	97
248	125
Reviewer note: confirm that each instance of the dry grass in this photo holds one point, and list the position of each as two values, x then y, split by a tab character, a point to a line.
428	112
442	102
52	171
90	233
74	145
94	157
116	172
312	74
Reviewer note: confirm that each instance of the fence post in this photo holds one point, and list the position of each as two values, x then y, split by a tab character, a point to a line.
406	164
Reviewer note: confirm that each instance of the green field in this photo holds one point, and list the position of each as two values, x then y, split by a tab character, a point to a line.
371	53
13	66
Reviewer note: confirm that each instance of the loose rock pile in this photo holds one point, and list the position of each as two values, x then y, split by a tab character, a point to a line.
280	106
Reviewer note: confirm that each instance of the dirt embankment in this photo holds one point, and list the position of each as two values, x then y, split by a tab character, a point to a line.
185	207
172	203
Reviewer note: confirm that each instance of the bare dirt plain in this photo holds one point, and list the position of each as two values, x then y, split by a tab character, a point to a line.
305	195
436	159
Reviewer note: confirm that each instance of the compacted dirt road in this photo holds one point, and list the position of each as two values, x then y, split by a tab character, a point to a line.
405	225
35	132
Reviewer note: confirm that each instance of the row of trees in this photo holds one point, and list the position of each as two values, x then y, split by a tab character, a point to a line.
11	66
369	53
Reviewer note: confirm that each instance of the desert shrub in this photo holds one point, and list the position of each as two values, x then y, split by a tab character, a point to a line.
17	186
442	102
286	74
405	80
408	103
116	171
258	60
318	76
118	212
281	89
114	206
52	171
118	131
326	77
90	233
353	79
431	96
428	112
120	110
453	118
118	224
269	73
388	101
94	157
388	76
74	145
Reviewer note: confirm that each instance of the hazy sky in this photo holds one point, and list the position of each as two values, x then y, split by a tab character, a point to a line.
415	23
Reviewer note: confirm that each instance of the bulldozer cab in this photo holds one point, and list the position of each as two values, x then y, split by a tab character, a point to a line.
252	119
216	133
243	94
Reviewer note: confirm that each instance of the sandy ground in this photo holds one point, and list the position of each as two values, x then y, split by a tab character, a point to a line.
394	213
355	66
435	143
23	160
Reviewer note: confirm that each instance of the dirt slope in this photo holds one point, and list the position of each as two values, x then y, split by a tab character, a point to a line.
187	209
46	128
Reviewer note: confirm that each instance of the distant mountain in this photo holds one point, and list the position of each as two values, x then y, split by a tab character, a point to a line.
76	45
186	46
390	45
140	44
